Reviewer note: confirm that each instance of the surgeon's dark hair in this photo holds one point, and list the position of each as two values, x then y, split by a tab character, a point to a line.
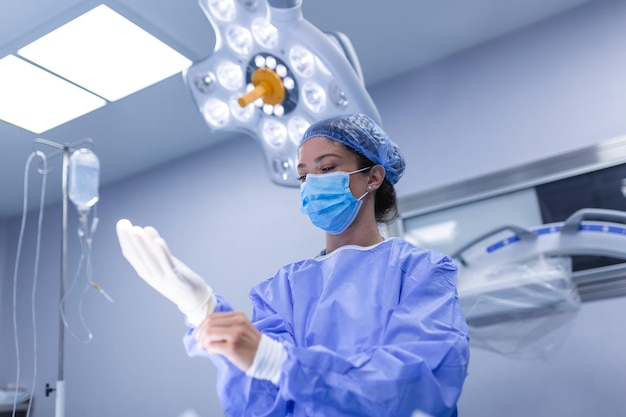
386	203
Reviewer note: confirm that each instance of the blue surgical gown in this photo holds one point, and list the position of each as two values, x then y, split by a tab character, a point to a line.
369	331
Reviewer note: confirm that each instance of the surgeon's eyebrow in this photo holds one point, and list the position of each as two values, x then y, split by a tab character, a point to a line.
320	158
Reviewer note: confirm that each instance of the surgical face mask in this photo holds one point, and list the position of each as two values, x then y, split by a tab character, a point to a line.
328	201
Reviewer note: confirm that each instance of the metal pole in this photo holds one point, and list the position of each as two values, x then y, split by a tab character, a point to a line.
60	388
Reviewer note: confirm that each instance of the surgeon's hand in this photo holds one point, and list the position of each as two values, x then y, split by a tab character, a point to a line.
232	335
148	253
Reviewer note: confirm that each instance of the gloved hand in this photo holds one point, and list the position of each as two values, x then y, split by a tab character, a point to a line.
148	253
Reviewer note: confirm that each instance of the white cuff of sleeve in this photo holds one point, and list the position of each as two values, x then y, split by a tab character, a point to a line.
268	360
197	316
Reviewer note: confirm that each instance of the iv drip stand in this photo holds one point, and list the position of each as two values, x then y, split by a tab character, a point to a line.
59	409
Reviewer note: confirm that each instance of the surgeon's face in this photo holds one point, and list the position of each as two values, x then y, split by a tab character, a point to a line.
320	155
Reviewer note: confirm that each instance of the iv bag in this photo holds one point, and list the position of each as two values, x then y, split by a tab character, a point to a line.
84	173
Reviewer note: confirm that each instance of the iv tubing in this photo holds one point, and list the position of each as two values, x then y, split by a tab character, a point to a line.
36	271
85	258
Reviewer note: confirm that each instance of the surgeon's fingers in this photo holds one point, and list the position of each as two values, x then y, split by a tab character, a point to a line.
128	243
150	252
152	232
140	250
123	224
232	335
165	256
124	235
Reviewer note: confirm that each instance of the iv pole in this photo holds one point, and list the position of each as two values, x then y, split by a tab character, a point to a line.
59	410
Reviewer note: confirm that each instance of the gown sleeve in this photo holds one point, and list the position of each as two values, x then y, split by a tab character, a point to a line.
419	364
239	394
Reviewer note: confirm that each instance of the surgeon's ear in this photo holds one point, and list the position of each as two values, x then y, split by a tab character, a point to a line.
376	177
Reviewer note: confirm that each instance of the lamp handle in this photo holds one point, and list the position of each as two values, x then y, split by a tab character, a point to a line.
572	224
523	234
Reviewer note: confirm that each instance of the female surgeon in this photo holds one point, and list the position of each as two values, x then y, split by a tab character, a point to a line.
369	327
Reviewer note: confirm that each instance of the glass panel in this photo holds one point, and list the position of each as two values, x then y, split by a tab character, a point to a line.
449	229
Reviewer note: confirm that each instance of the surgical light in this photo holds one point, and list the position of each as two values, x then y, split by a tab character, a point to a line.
296	127
216	113
239	39
264	33
314	96
230	75
243	114
302	60
223	10
272	74
274	133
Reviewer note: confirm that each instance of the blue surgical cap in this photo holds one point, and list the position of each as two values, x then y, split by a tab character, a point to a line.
360	133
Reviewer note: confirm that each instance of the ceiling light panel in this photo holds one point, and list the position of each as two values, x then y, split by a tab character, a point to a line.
36	100
105	53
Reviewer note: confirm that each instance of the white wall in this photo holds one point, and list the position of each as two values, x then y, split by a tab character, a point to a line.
553	87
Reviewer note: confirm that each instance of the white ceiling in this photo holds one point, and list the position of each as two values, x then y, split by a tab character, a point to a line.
161	123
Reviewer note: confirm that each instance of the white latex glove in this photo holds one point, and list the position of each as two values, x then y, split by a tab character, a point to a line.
148	253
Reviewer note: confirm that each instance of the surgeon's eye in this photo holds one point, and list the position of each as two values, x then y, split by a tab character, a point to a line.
302	178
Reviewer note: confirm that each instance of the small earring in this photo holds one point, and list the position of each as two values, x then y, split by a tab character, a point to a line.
369	188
